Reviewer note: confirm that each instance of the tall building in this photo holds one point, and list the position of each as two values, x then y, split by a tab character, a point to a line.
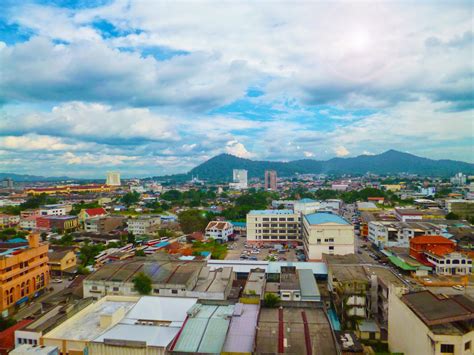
7	183
270	226
270	180
24	271
459	179
113	178
239	178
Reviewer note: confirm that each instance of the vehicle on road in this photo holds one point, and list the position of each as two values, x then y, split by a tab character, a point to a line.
459	287
57	281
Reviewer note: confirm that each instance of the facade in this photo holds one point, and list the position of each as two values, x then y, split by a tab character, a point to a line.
103	224
398	234
68	189
273	226
220	231
113	178
24	271
27	349
28	223
59	223
239	179
61	261
52	210
406	214
143	225
7	220
270	180
326	233
459	179
429	324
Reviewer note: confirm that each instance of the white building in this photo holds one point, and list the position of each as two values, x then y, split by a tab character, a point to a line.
239	178
53	210
143	225
327	233
219	230
28	223
113	178
459	179
269	226
398	234
408	214
450	263
27	349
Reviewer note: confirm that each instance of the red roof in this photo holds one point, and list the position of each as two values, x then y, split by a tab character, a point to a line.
7	337
440	250
98	211
431	239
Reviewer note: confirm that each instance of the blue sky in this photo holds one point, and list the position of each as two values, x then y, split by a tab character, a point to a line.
152	88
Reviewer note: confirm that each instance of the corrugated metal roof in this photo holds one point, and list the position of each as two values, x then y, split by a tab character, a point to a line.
322	217
275	212
308	286
242	329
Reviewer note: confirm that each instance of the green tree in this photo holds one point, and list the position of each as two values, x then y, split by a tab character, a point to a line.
142	283
6	323
193	221
130	198
271	300
452	216
89	251
140	253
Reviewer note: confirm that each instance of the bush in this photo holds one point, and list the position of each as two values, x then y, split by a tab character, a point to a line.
271	300
142	283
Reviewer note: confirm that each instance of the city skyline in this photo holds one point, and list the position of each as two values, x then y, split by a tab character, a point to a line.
147	89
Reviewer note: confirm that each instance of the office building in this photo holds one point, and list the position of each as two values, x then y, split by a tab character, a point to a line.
273	226
113	178
430	324
239	179
144	224
104	224
24	272
270	180
52	210
459	179
7	183
326	233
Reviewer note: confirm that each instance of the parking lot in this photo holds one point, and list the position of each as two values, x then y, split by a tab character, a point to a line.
237	249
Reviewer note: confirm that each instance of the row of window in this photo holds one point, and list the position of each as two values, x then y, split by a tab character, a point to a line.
276	231
274	219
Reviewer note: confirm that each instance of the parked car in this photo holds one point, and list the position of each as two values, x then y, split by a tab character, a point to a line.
255	251
459	287
57	281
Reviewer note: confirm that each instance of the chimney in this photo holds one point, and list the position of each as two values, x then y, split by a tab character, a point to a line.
34	240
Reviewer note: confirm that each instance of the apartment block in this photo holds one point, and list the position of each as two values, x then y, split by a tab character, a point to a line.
143	225
430	324
326	233
270	180
52	210
220	231
58	223
24	271
103	224
273	226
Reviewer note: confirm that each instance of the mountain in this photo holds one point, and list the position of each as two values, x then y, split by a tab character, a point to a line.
390	162
32	178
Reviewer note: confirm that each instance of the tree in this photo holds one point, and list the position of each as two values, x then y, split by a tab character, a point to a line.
452	216
131	198
192	221
142	283
140	253
271	300
89	251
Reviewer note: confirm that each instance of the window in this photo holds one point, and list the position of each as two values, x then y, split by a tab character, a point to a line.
467	346
115	289
331	247
174	292
447	348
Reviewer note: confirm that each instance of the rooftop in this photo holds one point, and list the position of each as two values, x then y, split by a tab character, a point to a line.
436	309
324	217
431	239
274	212
242	330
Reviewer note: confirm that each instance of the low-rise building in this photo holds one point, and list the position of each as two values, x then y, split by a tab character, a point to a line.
27	349
326	233
62	260
104	224
87	213
7	220
24	272
425	323
398	234
143	225
52	210
273	226
28	223
57	223
219	230
408	214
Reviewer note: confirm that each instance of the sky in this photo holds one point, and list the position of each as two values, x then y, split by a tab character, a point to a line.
151	88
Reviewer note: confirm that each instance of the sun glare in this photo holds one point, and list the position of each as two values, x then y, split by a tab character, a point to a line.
359	40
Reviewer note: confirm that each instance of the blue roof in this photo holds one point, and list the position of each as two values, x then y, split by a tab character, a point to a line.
17	240
306	200
324	217
238	224
275	212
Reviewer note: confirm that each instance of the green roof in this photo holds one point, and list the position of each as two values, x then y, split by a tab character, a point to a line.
401	264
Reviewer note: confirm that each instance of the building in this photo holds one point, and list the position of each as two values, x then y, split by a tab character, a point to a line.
143	225
242	331
430	324
62	260
326	233
24	272
273	226
117	324
239	179
7	336
407	214
27	349
170	277
87	213
104	224
52	210
270	180
459	179
398	234
113	178
57	223
7	183
439	252
7	220
220	231
28	223
462	208
298	285
68	189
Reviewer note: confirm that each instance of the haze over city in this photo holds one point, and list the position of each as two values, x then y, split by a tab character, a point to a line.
150	89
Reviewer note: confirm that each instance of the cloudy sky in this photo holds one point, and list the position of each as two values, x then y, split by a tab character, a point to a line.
150	88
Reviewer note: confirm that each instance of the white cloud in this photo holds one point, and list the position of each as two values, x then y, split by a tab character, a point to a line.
341	151
237	149
308	154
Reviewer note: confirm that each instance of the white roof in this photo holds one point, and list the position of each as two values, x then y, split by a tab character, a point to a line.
152	335
172	309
